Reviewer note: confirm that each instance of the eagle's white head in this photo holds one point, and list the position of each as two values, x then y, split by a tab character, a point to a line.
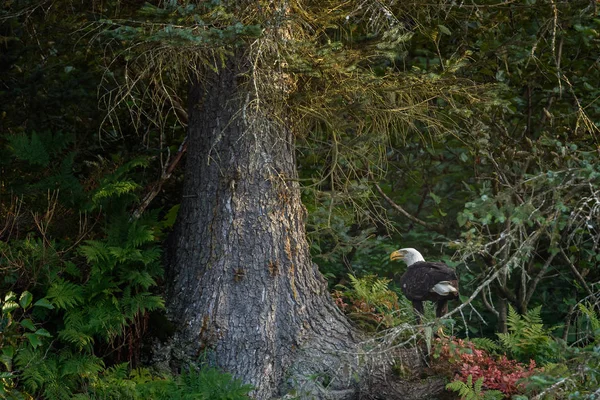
409	255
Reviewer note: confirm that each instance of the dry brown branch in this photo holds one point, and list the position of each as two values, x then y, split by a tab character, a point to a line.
157	186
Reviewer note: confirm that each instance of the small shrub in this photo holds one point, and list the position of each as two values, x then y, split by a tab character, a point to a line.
527	338
468	362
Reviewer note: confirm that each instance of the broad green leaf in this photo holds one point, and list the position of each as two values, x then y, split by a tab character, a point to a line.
28	324
25	299
43	302
10	296
8	352
444	30
34	340
42	332
9	306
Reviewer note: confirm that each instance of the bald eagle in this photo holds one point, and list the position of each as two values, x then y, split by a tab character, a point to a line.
433	281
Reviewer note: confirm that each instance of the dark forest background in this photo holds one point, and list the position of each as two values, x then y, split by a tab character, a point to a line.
467	130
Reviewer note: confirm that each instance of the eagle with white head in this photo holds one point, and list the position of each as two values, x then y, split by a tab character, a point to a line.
423	280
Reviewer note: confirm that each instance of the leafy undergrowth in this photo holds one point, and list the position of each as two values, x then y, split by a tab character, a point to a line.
464	362
371	303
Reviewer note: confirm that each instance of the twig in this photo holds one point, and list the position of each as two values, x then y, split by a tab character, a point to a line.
577	274
537	278
436	228
551	388
157	186
168	171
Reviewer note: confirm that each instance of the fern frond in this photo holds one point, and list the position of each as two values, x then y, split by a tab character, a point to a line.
117	371
464	389
115	189
533	316
139	234
37	370
30	149
57	390
125	254
77	338
130	165
141	303
106	319
473	391
591	315
64	294
80	365
486	344
151	255
514	321
136	279
94	251
478	385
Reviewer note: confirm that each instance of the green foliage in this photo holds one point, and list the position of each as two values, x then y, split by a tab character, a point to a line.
98	293
114	294
29	149
593	318
138	384
206	25
480	121
526	337
473	391
576	377
371	304
487	344
20	336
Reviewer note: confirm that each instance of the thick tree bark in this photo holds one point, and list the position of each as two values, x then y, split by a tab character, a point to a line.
242	288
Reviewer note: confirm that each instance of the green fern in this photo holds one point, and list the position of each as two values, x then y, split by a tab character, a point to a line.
526	337
487	345
94	251
374	291
64	294
77	365
473	391
115	189
29	148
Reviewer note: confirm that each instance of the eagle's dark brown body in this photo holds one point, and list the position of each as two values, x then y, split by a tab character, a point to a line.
419	279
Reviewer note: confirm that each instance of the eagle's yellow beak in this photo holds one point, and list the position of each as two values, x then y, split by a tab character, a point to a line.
397	255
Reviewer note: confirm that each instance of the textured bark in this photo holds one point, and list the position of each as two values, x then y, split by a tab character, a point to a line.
242	287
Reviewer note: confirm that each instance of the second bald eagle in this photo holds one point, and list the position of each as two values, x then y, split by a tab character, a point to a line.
433	281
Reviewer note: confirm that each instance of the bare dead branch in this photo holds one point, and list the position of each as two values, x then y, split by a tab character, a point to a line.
157	186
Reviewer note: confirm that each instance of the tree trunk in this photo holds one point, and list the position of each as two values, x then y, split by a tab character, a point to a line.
243	291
